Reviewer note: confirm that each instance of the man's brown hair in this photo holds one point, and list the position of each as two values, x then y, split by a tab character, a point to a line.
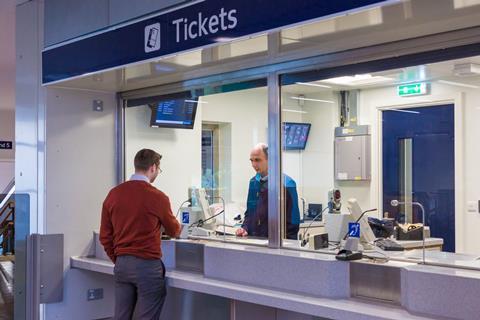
146	158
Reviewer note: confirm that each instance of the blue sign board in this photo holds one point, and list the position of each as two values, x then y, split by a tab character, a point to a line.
200	24
6	145
354	230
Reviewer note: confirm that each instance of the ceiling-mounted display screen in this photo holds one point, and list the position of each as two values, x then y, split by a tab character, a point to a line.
174	113
295	135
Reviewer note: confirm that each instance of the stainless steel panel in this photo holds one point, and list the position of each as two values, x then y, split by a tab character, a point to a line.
374	281
21	276
406	177
189	305
47	251
189	256
352	157
275	187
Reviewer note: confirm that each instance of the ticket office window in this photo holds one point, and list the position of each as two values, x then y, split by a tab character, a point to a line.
207	170
391	140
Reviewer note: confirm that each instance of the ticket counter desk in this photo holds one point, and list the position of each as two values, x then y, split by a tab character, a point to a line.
245	280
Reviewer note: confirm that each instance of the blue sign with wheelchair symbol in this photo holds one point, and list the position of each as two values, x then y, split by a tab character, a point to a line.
354	230
185	217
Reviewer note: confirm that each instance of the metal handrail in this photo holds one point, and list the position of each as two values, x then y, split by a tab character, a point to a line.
9	214
10	205
6	195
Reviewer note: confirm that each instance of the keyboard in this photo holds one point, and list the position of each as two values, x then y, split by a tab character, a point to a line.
388	245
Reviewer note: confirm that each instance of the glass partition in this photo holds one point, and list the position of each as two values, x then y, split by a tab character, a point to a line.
212	168
398	146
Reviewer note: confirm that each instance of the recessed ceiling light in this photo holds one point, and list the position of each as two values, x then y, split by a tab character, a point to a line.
309	99
359	79
312	84
295	111
459	84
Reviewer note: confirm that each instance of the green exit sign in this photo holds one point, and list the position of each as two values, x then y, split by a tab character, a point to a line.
412	89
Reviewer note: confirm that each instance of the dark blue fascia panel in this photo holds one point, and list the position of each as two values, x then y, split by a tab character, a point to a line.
191	27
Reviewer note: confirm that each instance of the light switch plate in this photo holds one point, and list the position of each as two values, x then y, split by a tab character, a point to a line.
472	206
94	294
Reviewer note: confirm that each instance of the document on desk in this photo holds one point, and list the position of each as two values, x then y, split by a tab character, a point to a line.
226	230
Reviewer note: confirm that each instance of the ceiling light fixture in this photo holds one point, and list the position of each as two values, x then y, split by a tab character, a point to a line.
312	84
195	101
309	99
359	79
295	111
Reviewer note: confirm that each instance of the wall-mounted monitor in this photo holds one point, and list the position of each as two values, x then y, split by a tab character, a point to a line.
295	135
174	113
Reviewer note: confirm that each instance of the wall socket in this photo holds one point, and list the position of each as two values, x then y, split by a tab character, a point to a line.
97	105
94	294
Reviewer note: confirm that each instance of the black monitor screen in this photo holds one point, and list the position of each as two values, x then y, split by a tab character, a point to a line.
174	113
296	135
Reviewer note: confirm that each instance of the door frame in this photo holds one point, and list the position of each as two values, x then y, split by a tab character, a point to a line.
458	101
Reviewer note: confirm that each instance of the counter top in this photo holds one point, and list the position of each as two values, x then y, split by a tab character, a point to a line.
317	306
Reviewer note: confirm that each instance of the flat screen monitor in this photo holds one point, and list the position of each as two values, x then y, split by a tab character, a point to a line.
296	135
174	113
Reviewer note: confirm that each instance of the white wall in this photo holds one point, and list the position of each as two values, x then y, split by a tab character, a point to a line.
180	148
245	113
80	170
312	168
242	116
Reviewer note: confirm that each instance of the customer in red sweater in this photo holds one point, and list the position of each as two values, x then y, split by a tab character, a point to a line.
132	215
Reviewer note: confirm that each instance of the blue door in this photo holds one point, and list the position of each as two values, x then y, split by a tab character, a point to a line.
430	133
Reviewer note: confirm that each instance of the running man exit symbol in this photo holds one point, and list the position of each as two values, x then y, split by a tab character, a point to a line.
152	37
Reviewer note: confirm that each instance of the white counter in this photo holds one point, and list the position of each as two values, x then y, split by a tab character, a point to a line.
317	284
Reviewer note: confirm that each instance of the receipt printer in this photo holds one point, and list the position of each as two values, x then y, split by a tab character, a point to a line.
409	231
318	241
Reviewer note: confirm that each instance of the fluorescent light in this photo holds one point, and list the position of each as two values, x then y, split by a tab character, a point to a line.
359	79
459	84
223	39
406	111
313	84
195	101
308	99
296	111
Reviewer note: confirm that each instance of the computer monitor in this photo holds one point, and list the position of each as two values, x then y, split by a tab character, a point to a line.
295	135
366	233
174	113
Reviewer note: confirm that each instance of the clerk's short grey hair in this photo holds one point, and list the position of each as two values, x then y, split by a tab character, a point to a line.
263	147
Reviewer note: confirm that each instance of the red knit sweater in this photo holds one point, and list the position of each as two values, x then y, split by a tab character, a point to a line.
132	216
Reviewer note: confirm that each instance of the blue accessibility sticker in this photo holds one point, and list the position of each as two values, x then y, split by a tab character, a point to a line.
185	217
354	229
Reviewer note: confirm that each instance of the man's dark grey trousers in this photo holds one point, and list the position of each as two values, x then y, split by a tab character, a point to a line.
140	288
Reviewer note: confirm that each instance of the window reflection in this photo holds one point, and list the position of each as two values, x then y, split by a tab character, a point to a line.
391	140
215	185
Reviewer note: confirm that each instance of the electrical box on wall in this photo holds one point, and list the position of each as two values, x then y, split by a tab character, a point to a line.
352	153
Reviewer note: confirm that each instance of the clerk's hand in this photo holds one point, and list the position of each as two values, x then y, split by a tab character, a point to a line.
241	232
